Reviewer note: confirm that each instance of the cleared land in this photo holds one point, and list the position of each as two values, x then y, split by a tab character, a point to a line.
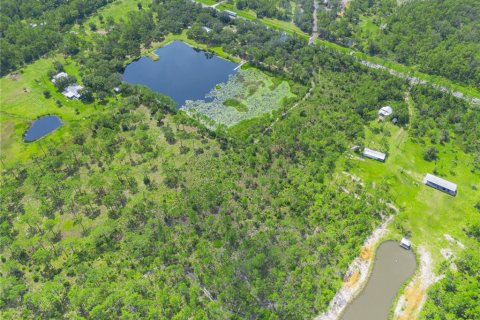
425	213
22	100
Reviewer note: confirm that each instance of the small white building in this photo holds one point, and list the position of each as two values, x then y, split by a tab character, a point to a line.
405	243
440	184
58	76
72	91
374	154
385	111
231	13
207	29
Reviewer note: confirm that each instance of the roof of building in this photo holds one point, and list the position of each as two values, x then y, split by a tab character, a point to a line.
231	13
440	182
72	91
386	111
373	153
406	242
58	76
207	29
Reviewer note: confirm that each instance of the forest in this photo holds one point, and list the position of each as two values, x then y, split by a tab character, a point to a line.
145	213
438	37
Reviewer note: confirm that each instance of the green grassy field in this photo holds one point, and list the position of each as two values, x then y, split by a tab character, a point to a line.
117	10
22	100
426	213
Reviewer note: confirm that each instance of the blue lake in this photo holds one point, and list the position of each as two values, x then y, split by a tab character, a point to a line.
41	127
182	72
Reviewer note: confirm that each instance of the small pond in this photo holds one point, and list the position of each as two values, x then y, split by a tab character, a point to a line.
182	72
41	127
392	267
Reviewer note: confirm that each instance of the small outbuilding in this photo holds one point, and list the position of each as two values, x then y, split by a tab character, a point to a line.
73	91
58	76
207	29
440	184
405	243
374	154
385	111
231	13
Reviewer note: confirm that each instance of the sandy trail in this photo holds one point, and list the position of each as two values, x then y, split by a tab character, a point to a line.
415	294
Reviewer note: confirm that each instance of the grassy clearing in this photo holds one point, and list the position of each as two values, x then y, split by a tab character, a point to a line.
22	100
426	213
116	10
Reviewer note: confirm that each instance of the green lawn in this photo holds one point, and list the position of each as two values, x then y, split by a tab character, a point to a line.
22	100
425	212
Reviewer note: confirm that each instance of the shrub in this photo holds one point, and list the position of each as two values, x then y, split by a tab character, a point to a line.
430	154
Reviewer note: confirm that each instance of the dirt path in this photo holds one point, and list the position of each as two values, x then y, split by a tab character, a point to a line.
356	276
415	294
315	34
284	113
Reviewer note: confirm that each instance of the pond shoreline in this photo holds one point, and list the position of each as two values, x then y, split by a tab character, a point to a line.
357	274
414	294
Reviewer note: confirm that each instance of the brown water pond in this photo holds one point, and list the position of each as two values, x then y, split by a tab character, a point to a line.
392	267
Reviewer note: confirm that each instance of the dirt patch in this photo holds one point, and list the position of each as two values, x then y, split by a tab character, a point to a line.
415	294
14	76
411	301
453	240
366	253
353	279
446	253
102	32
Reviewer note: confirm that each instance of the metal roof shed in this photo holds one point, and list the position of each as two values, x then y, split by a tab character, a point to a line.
405	243
440	184
373	154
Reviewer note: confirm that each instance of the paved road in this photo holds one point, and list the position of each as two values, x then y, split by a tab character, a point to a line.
314	35
411	79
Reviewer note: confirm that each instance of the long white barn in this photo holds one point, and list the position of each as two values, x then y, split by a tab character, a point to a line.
374	154
440	184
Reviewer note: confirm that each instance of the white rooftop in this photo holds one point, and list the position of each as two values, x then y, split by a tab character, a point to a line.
58	76
385	111
374	153
72	91
405	243
440	182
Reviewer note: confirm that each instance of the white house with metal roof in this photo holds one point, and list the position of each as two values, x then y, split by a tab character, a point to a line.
440	184
374	154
